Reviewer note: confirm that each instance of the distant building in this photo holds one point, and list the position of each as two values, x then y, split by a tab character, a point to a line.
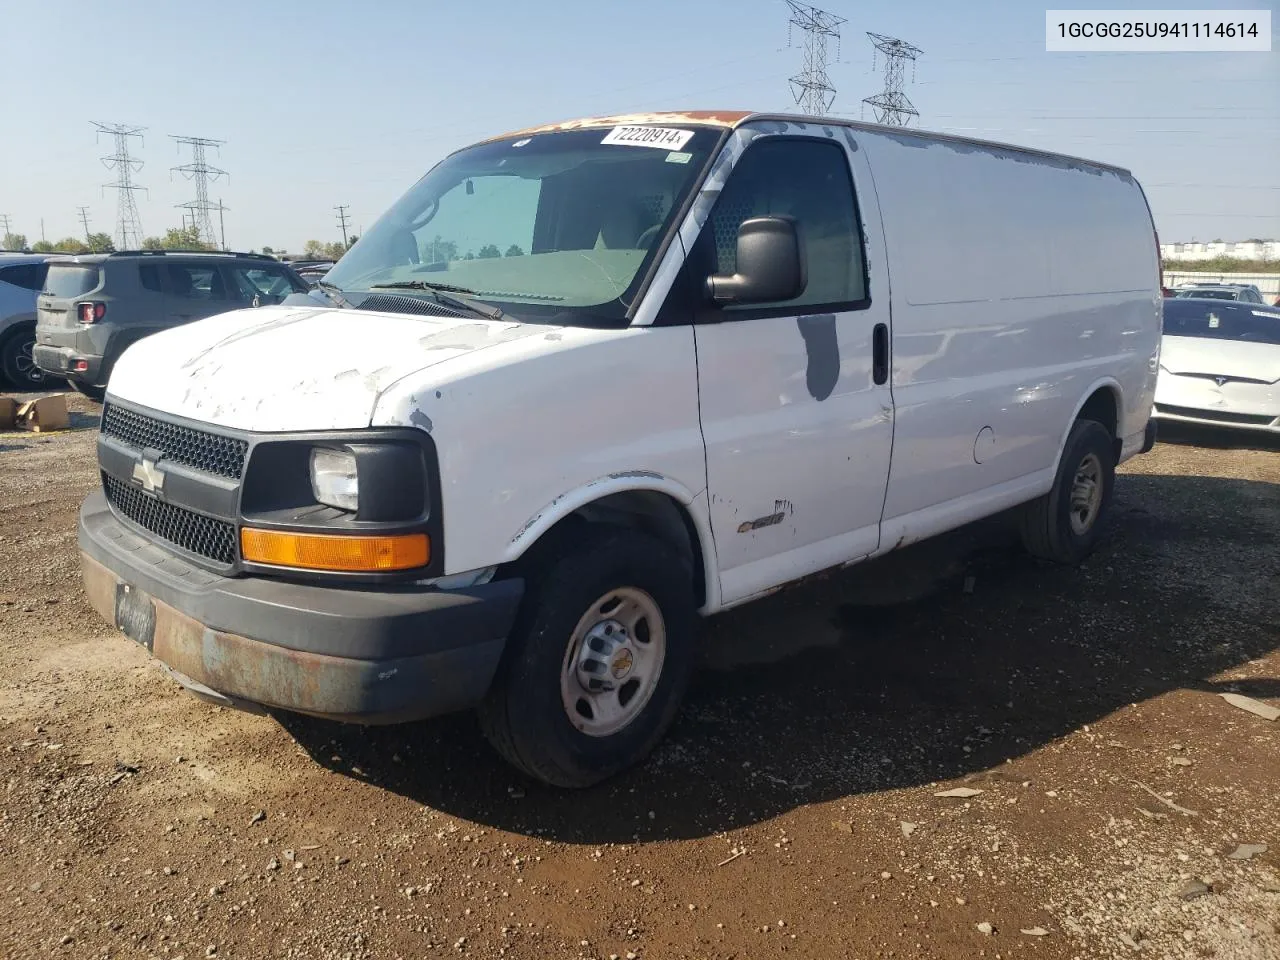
1240	249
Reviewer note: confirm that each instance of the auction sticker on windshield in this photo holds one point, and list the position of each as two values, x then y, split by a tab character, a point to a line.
664	138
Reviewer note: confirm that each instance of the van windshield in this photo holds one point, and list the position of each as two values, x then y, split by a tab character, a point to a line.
554	227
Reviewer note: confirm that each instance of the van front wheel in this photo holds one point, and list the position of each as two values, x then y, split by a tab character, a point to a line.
1063	526
598	661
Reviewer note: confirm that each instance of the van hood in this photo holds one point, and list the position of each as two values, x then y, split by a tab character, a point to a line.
286	368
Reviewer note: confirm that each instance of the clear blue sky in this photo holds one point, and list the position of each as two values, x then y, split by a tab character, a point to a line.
327	102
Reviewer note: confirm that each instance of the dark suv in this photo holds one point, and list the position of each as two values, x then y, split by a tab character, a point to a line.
94	306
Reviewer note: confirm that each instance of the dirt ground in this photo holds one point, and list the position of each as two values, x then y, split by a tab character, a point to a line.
793	811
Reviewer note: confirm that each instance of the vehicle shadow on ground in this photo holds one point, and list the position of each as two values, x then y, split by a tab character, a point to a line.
937	662
1216	438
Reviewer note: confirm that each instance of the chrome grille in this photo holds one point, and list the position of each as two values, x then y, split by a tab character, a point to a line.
193	532
210	452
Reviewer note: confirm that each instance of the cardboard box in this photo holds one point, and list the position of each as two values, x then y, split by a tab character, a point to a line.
8	413
44	414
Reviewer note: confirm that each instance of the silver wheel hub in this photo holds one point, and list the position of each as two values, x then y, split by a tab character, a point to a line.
1086	494
613	662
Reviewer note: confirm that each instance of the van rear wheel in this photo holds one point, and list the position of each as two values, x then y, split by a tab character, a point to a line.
1063	526
598	662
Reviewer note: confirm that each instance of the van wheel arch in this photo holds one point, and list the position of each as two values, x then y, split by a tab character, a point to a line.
1103	406
653	512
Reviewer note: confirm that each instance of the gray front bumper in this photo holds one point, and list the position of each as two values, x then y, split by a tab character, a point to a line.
381	654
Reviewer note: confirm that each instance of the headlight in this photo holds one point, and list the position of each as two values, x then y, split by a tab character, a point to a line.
333	478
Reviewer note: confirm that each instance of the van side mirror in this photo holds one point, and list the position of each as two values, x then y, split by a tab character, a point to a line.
770	267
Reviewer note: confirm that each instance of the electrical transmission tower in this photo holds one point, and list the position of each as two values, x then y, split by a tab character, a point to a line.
4	226
128	223
342	219
891	105
812	88
84	218
203	174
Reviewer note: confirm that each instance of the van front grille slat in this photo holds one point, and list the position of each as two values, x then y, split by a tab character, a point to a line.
199	449
193	532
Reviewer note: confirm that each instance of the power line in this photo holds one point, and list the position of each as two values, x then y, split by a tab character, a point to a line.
84	218
128	222
812	88
199	171
342	220
891	105
4	226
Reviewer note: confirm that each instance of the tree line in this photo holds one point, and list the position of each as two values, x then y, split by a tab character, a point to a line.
175	238
317	250
1223	265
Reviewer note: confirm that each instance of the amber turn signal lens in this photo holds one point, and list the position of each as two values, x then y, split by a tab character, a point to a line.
322	551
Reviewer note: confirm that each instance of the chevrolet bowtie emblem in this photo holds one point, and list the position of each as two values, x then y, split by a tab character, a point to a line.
149	475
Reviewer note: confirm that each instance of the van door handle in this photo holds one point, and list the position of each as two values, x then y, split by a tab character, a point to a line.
880	353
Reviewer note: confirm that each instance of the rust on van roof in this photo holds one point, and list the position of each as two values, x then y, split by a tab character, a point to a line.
714	118
733	118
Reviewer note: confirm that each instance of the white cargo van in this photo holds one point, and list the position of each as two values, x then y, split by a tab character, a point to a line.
587	381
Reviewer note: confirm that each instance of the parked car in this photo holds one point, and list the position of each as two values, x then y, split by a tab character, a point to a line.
313	272
93	307
21	278
1244	292
584	382
1220	364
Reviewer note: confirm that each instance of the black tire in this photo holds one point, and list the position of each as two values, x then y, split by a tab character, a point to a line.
1048	530
96	394
524	716
17	365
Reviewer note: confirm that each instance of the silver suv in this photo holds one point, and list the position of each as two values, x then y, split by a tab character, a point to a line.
95	306
21	280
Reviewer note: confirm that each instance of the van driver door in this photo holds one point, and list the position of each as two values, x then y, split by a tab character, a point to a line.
794	397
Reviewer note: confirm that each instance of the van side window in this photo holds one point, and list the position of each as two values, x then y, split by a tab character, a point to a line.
194	282
149	275
808	180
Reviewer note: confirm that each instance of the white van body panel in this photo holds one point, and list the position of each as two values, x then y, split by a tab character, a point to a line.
584	413
798	437
286	368
1003	325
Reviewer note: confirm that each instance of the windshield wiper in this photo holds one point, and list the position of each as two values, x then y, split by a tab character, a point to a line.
421	285
335	293
441	292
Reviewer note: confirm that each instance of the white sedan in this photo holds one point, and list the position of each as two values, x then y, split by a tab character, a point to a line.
1220	364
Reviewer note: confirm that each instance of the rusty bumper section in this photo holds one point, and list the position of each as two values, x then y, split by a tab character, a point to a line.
377	656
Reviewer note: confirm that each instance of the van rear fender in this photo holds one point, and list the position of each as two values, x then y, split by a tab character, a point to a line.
1104	402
